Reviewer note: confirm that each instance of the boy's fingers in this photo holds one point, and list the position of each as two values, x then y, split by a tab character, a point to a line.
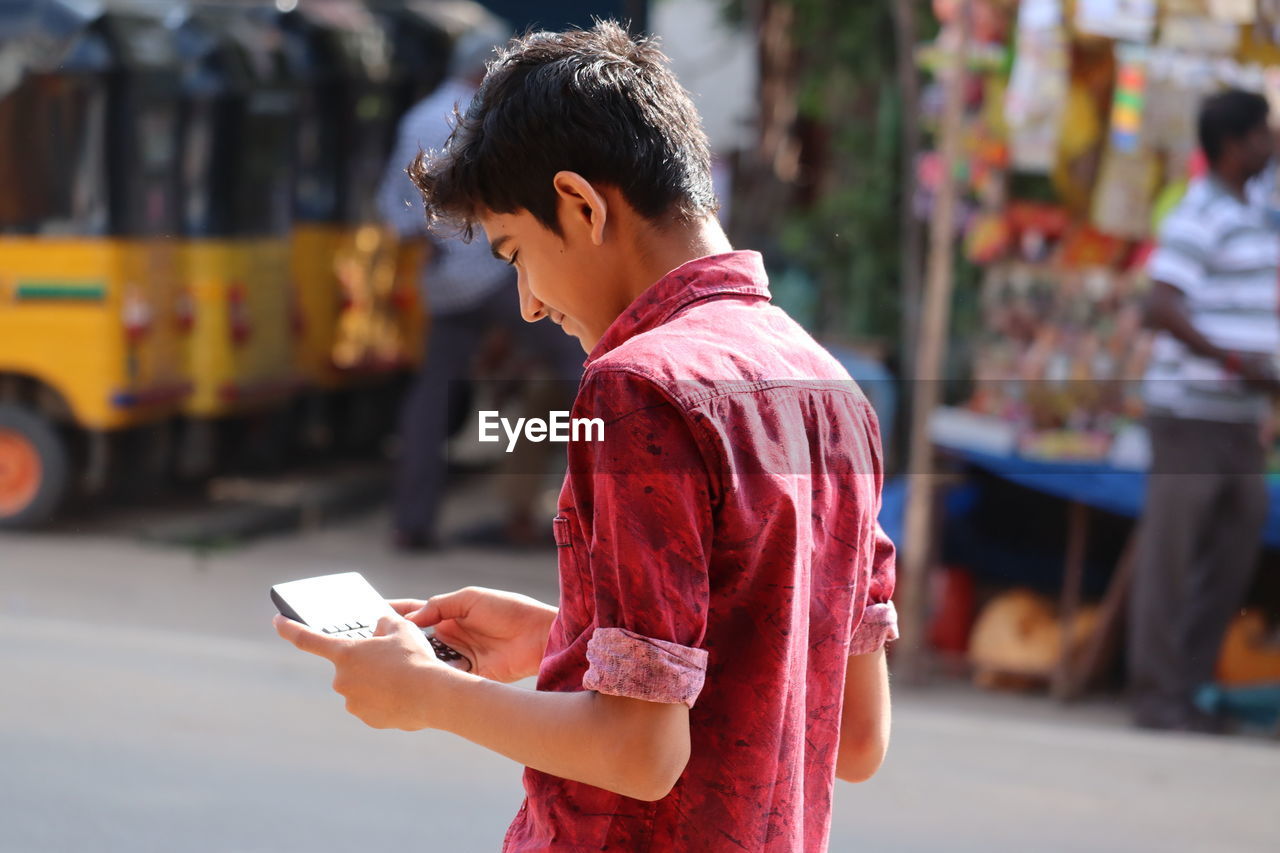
450	605
308	640
426	617
406	606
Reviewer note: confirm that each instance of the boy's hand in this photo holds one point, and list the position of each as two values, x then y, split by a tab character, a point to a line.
390	681
504	634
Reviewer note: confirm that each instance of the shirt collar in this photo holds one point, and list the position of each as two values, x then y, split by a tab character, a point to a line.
731	273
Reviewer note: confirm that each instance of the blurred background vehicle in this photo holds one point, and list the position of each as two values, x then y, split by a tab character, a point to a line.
93	334
200	281
238	111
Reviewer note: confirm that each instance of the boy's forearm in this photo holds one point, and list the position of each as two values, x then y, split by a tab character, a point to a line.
865	718
634	748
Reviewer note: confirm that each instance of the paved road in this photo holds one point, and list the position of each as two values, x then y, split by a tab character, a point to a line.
146	705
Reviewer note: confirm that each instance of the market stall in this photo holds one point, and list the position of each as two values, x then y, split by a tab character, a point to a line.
1076	136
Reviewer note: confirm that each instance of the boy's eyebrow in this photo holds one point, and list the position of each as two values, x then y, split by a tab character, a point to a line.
497	245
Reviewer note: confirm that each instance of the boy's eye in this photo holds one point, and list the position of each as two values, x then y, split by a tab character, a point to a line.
512	260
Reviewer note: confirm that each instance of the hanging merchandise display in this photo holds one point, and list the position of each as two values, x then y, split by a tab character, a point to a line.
1038	86
1130	172
1176	83
1130	96
1127	184
988	36
1084	126
1131	20
1266	28
1096	121
1199	34
1183	8
1235	11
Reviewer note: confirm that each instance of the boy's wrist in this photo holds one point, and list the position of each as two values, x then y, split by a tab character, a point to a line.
445	695
544	636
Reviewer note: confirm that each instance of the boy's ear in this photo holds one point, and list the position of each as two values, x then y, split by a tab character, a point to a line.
582	204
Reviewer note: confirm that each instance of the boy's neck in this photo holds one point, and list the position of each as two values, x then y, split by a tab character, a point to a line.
660	250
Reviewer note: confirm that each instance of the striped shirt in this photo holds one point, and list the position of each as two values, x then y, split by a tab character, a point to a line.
1225	259
460	275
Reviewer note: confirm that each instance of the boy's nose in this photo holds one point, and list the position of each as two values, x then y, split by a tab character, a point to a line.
531	308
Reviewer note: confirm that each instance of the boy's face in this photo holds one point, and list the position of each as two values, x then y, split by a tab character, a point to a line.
569	278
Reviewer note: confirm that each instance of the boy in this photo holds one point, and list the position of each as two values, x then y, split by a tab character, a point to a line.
717	658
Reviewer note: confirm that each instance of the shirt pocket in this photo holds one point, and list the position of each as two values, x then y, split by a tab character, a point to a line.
571	563
562	527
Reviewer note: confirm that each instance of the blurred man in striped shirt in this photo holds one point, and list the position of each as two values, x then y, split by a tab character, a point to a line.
1215	276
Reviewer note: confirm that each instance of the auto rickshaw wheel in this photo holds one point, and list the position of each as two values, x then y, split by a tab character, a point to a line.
35	470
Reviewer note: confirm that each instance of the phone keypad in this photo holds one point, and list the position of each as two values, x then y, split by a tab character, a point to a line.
446	653
362	631
349	630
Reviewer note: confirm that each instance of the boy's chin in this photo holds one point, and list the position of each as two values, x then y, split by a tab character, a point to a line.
573	331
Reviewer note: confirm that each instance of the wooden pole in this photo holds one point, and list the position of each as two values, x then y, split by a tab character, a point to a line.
906	33
1069	600
931	345
1100	647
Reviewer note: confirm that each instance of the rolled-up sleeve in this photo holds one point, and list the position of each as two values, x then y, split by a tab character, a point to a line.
626	664
879	623
644	497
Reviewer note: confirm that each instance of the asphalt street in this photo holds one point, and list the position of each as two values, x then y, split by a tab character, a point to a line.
147	705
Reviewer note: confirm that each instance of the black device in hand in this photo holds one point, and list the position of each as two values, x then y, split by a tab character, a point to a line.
347	605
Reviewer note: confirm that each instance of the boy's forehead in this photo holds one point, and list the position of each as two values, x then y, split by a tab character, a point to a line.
498	225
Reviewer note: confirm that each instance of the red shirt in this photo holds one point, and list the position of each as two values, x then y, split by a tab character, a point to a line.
718	547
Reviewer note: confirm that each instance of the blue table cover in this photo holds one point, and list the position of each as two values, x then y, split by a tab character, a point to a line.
1094	484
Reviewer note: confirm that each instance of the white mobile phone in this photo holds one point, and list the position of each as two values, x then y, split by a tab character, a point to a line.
346	605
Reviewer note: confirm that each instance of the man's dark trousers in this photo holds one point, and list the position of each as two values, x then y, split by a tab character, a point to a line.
1198	543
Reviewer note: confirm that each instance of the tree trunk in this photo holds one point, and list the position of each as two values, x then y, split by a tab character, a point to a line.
904	20
770	169
918	536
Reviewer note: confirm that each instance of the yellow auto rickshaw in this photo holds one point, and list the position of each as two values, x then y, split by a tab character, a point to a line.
91	326
351	347
239	109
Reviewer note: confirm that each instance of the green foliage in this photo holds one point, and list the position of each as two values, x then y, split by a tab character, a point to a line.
849	238
846	235
840	39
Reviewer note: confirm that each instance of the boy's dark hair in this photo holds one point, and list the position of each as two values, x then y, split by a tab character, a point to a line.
595	102
1225	116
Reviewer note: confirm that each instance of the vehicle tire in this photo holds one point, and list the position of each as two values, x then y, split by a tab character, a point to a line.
35	468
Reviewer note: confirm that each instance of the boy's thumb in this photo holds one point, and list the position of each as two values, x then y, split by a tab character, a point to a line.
387	626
